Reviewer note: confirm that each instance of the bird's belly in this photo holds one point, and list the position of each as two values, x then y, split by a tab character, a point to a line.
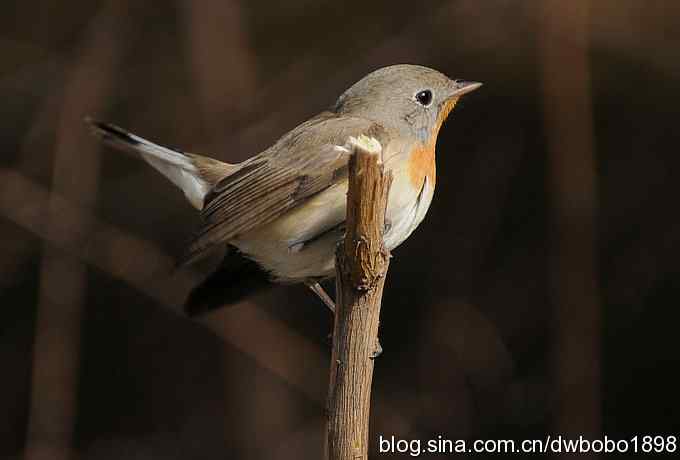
301	244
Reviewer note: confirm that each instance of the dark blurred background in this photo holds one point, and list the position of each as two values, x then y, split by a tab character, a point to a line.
539	296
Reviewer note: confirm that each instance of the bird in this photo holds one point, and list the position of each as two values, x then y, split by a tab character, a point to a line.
281	213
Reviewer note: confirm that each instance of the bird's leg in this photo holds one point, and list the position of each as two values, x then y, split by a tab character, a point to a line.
319	291
378	349
326	299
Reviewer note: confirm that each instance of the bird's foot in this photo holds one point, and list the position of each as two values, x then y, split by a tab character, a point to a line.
378	349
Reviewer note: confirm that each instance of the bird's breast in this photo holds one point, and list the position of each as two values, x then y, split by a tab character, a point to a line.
407	208
421	164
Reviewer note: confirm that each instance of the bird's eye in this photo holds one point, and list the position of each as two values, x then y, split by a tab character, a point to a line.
424	97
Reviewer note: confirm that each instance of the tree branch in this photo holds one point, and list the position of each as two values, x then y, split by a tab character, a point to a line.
361	265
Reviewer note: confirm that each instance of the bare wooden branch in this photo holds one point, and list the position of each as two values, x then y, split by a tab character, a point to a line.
361	265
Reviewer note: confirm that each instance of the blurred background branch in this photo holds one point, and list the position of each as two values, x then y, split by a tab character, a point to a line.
571	177
62	285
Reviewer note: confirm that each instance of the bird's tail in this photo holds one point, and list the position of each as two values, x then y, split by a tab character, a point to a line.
194	174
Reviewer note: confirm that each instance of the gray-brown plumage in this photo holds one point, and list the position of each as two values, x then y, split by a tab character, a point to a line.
285	207
304	162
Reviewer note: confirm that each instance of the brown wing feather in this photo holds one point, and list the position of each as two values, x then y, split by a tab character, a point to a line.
302	163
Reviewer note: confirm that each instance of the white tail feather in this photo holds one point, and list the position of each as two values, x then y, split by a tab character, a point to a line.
176	166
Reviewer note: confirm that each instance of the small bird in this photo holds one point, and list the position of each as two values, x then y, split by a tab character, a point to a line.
281	213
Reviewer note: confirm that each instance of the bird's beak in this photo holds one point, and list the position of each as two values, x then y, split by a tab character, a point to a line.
461	87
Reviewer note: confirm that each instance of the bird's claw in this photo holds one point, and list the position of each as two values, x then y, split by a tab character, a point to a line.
378	350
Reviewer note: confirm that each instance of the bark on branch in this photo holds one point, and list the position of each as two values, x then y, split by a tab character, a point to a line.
361	265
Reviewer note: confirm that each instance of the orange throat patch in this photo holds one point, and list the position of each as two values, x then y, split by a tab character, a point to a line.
422	163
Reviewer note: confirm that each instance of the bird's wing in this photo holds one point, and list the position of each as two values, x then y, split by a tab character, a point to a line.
301	164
